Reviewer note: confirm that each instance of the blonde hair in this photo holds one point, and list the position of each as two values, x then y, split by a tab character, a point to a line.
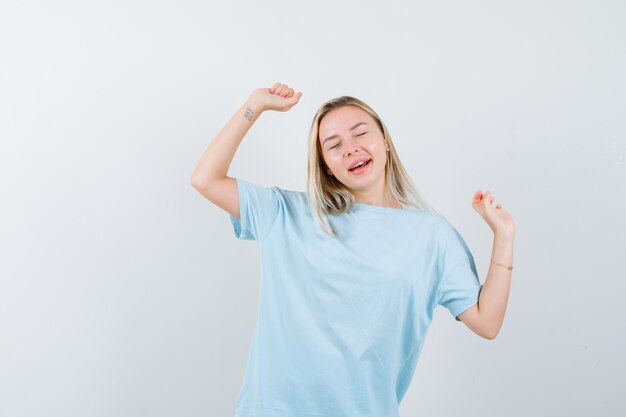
328	196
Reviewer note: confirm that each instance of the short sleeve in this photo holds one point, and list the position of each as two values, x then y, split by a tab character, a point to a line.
258	208
459	286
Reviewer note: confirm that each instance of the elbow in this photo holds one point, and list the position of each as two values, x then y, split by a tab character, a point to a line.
205	182
491	334
195	183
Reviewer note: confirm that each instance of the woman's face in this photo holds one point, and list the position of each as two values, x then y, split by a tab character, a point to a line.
347	135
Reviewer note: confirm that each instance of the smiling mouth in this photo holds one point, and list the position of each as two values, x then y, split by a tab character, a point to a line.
361	167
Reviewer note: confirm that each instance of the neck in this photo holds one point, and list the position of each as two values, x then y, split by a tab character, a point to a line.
376	200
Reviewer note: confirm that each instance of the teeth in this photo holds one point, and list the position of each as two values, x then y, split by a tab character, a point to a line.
359	164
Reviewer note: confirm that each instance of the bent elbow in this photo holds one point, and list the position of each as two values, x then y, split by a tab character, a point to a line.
490	335
195	183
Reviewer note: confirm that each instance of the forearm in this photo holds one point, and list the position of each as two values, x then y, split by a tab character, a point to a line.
219	154
495	292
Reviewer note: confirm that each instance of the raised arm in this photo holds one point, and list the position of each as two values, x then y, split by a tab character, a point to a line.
487	316
210	176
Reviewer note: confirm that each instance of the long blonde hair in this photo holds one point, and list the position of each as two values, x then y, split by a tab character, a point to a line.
328	196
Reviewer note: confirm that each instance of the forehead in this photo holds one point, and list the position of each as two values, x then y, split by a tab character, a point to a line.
340	120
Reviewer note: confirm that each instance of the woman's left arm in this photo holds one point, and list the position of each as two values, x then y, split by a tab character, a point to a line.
486	318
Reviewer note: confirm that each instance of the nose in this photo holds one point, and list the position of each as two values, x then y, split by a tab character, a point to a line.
351	146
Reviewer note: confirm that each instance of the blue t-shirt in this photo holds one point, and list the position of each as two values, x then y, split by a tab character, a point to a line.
341	322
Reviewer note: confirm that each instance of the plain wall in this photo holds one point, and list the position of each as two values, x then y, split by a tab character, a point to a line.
124	292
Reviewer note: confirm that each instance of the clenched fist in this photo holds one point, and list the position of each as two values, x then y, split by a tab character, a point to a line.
278	97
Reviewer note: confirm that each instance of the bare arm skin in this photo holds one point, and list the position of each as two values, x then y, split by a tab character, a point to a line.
210	177
486	317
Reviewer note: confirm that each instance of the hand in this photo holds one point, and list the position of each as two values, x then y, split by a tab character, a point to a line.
277	97
497	218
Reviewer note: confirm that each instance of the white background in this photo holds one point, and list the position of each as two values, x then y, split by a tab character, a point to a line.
124	292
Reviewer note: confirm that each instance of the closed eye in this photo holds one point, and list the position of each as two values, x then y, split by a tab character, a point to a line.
338	144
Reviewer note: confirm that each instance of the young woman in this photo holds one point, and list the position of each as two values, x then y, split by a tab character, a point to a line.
352	269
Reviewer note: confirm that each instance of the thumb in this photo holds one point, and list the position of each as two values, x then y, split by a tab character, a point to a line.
296	97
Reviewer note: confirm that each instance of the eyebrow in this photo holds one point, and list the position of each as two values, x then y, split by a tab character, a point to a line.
352	128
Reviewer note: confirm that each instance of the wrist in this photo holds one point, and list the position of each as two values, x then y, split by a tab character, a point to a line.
504	234
254	104
507	266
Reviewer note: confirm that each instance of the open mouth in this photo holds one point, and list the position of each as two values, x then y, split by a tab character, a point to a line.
361	167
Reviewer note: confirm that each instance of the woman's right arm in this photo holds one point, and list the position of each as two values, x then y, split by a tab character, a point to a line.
210	176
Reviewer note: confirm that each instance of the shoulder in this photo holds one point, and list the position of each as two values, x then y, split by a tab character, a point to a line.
289	195
441	223
442	230
428	220
291	199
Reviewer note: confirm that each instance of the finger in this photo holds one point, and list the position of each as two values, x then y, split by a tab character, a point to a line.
280	89
293	97
487	198
273	87
288	93
296	97
292	100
